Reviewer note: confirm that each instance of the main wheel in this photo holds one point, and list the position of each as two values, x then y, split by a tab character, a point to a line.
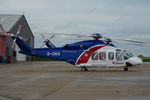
126	69
84	69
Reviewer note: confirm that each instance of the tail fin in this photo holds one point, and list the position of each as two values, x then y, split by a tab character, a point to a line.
24	48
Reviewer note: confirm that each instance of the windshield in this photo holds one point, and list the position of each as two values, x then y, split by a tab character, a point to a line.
127	55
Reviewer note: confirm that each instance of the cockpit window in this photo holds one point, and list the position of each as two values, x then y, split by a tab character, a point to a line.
127	55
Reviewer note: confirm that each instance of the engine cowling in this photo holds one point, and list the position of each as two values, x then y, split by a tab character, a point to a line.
74	46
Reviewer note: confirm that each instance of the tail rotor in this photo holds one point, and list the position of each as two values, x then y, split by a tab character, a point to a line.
16	35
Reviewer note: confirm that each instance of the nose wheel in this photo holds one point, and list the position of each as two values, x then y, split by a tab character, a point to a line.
126	68
84	69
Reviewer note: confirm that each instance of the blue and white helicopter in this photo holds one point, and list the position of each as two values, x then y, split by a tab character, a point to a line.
98	52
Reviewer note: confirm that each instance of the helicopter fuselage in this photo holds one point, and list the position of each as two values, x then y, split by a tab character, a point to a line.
90	53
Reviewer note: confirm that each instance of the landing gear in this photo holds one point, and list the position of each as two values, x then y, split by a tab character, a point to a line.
84	69
126	68
128	64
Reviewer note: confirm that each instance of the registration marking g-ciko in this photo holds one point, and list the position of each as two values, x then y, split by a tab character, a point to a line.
53	53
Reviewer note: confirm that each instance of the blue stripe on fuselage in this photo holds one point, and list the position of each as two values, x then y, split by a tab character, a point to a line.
69	56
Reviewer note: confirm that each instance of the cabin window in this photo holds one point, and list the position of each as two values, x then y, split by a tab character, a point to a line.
118	56
95	56
111	56
102	56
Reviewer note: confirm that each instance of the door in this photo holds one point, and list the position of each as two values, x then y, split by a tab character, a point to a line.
119	59
99	59
111	59
115	59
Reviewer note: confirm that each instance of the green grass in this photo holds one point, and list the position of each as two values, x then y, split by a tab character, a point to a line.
145	59
44	59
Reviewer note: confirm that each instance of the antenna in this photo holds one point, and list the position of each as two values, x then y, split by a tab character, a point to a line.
23	13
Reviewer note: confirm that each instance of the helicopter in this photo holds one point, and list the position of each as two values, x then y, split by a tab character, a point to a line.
98	52
130	59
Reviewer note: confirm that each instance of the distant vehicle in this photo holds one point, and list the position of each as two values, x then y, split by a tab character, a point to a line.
98	52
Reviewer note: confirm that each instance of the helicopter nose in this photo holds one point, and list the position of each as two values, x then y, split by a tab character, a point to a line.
135	61
139	60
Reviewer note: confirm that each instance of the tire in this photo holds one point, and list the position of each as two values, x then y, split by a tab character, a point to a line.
84	69
126	69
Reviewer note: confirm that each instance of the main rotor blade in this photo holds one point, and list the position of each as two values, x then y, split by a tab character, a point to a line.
77	35
68	36
131	41
137	44
52	36
43	36
42	45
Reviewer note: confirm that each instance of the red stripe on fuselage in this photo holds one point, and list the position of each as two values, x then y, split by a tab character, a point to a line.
87	54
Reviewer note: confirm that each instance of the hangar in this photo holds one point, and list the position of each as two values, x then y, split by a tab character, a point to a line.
9	24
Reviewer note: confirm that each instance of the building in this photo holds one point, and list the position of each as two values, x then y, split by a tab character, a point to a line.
3	45
10	24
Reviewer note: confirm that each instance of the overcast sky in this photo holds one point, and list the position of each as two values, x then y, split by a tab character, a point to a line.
117	18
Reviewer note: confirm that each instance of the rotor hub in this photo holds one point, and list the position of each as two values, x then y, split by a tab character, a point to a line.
108	40
97	36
